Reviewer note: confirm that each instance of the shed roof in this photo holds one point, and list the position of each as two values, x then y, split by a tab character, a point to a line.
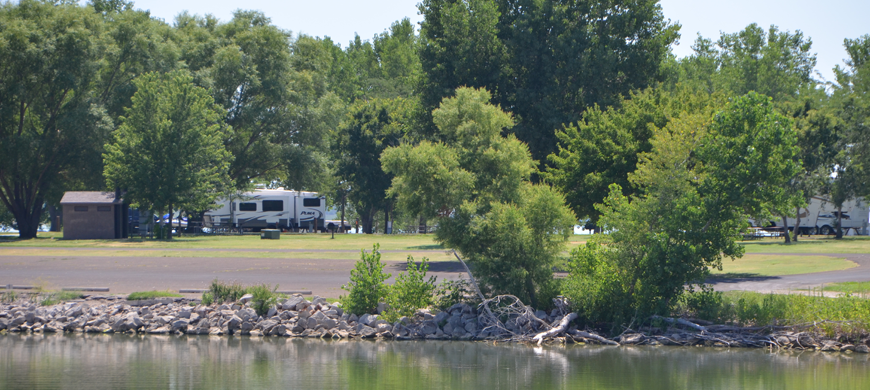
89	197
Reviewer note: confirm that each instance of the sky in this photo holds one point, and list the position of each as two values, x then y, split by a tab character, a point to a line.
826	22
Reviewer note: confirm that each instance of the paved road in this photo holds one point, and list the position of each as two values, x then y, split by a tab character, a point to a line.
323	276
861	273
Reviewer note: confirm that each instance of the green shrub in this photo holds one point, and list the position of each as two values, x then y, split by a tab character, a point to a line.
451	292
264	298
53	298
220	292
410	292
9	296
151	295
366	288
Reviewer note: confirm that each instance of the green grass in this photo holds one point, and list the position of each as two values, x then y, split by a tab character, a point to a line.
816	244
858	288
53	298
287	241
756	265
151	295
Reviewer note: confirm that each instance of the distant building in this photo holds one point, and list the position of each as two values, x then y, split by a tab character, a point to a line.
89	215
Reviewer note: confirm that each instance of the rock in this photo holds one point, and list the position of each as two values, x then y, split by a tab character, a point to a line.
429	328
365	331
383	327
331	313
366	319
542	315
471	327
286	315
382	307
400	330
266	326
160	330
318	300
441	317
184	313
352	318
246	298
830	346
234	323
246	326
329	323
302	305
862	349
180	324
272	311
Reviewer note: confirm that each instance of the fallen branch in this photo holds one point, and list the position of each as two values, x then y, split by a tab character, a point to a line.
680	321
592	336
558	329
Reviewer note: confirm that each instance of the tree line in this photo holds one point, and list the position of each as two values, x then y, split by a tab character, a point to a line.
501	122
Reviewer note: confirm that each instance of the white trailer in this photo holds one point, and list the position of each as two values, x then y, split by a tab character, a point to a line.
820	217
270	209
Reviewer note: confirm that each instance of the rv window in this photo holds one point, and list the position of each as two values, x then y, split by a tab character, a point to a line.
248	206
311	202
273	205
80	208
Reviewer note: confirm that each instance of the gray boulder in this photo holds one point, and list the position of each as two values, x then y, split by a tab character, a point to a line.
246	298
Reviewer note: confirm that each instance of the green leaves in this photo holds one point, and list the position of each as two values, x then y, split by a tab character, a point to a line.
169	150
366	287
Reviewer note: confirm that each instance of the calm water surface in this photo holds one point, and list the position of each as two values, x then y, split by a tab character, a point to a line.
203	362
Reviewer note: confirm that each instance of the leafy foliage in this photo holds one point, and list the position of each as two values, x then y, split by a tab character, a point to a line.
264	298
220	292
698	183
169	151
366	287
545	61
410	292
475	181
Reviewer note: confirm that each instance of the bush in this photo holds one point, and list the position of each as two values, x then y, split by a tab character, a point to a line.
451	292
366	288
58	297
410	292
220	292
264	298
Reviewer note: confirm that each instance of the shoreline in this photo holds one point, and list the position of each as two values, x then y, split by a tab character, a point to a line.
301	318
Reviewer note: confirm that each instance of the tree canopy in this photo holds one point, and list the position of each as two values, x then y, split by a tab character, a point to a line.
168	153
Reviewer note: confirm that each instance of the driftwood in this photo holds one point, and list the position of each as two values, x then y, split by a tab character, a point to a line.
592	336
563	325
680	321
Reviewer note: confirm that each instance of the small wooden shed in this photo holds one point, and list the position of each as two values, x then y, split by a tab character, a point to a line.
89	215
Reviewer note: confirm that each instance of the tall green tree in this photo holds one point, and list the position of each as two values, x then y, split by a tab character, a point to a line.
273	92
50	121
604	147
169	153
475	182
699	182
545	61
853	108
369	128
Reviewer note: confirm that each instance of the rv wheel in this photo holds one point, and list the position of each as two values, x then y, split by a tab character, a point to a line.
826	230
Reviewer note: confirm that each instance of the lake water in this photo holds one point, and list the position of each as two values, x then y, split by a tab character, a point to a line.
203	362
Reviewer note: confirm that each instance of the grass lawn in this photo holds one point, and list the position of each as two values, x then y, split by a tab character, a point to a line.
860	288
61	253
816	244
755	265
287	241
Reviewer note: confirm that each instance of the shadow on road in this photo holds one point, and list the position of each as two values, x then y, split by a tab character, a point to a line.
438	266
738	277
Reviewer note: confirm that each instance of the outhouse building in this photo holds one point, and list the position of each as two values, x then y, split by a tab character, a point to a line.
93	215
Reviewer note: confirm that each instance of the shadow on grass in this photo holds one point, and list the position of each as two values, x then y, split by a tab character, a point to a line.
737	277
434	266
426	247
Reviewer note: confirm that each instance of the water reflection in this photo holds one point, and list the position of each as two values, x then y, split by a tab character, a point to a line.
194	362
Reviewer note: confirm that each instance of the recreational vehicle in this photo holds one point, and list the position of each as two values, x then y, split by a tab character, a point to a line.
820	217
272	209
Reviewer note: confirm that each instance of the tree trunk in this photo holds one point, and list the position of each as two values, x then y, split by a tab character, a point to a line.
26	216
785	230
343	205
839	222
386	219
797	224
54	216
368	221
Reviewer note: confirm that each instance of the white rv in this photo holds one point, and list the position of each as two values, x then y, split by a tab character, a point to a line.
820	217
270	209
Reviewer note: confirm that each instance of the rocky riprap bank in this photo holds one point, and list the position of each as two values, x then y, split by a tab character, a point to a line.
292	317
298	317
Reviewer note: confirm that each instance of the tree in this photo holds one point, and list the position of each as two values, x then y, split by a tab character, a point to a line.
369	128
699	182
476	183
853	109
273	92
168	153
545	61
50	122
603	148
